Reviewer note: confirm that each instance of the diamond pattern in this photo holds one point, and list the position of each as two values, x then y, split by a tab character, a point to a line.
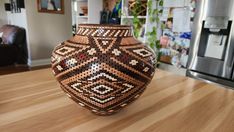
116	52
64	50
146	69
102	89
142	52
133	62
92	51
59	68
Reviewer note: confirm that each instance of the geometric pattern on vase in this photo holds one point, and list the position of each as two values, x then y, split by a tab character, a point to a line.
103	68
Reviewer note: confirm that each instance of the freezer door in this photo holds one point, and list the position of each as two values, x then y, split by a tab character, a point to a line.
218	8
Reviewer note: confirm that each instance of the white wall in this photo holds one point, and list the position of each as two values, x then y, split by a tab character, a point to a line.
94	8
3	15
19	19
46	30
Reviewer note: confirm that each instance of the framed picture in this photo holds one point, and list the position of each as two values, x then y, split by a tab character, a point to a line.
51	6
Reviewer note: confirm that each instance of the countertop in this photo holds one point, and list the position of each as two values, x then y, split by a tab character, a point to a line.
32	101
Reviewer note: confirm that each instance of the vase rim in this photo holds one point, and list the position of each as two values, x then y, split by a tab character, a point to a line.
104	30
104	25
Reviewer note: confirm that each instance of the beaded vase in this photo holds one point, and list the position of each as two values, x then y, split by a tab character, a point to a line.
103	67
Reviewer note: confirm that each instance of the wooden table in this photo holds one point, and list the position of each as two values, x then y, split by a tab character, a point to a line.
33	101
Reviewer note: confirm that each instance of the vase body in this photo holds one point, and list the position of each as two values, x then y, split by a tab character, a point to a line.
103	67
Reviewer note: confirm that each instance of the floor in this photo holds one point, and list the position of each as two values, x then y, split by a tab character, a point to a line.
174	69
16	69
170	103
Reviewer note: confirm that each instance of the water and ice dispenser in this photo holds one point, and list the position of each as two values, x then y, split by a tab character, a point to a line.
217	31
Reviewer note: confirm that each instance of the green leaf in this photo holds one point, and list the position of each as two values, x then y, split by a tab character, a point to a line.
161	3
157	19
154	18
155	12
152	45
160	11
163	26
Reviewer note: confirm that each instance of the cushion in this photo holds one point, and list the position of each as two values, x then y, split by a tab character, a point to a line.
1	33
10	34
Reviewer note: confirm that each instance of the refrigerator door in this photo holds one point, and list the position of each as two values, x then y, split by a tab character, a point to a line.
218	8
207	55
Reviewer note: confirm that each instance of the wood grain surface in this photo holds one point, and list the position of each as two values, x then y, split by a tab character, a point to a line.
32	101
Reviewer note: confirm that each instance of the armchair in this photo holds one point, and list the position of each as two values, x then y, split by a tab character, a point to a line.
13	49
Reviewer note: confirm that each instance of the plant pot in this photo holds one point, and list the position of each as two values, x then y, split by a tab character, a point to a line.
84	10
103	67
141	10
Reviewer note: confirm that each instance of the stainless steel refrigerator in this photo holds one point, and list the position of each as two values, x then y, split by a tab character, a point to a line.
211	54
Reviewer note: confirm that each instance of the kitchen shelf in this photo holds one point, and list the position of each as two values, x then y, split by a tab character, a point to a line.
130	17
93	16
86	17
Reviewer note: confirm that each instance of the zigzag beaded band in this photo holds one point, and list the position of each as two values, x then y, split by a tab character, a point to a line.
104	31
